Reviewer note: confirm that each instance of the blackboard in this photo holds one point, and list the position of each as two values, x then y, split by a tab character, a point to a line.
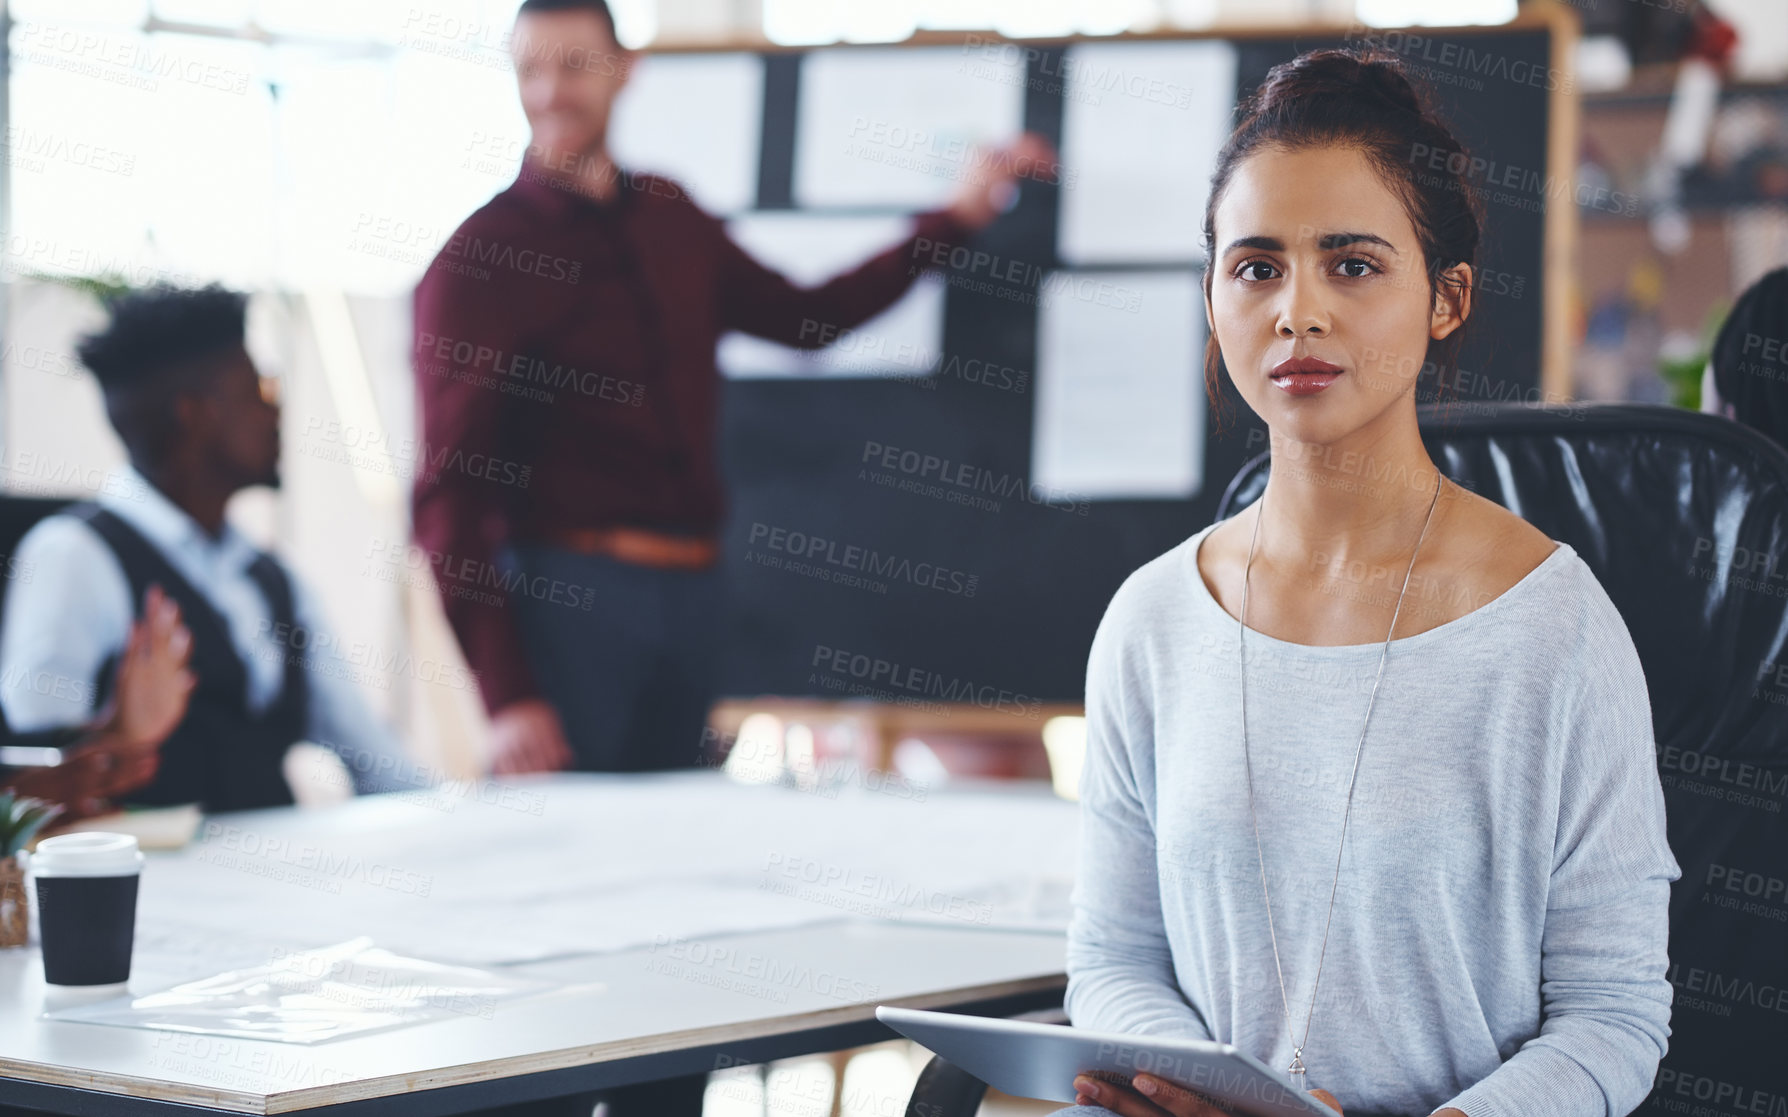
998	607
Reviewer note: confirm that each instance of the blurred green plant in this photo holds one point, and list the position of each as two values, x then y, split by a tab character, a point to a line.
104	287
21	817
1682	375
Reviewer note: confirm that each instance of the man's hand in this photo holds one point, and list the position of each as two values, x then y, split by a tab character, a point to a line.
149	698
154	682
1148	1096
85	783
526	736
993	174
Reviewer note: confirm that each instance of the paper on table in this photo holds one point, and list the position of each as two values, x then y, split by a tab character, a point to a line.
897	127
903	340
1120	410
696	119
1032	904
1142	126
612	863
312	995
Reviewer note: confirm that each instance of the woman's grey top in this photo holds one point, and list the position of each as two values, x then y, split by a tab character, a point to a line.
1499	932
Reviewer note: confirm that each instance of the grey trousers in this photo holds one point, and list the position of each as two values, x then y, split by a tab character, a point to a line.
628	655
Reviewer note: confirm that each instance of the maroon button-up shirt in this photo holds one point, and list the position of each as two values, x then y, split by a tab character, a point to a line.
564	357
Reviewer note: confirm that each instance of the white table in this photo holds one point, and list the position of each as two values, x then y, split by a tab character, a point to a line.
703	949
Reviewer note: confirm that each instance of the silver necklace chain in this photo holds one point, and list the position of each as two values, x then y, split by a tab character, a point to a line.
1297	1049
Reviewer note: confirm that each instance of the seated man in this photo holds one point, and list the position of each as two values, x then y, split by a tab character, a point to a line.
199	425
119	751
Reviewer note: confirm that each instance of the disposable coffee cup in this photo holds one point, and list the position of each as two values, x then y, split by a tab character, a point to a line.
87	906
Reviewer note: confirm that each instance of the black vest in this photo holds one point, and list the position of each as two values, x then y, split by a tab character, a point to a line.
222	755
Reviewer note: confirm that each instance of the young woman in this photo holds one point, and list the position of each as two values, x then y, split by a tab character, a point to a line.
1416	850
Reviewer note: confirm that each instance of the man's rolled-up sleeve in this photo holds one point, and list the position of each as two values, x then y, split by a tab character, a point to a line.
764	303
338	717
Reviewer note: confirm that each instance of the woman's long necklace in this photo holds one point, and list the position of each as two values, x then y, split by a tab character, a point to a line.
1297	1049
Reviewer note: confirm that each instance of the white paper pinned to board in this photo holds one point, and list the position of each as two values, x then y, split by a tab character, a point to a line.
1120	400
898	126
697	119
903	340
1142	126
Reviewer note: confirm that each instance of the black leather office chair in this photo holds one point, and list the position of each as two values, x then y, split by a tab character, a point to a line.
1683	517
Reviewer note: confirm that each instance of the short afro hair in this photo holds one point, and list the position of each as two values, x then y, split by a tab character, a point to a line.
162	329
161	342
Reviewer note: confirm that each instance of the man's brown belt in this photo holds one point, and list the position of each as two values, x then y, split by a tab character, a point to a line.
637	546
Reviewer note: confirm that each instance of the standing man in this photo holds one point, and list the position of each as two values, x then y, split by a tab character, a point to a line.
564	342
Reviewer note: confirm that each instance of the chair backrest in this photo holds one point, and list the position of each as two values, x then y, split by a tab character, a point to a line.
1683	517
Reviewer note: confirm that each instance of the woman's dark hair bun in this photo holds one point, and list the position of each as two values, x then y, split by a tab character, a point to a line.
1337	73
1386	78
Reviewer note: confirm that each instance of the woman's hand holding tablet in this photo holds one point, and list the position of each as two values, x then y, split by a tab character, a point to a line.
1029	1059
1148	1096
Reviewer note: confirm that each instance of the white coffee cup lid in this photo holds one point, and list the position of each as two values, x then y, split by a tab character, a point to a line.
88	854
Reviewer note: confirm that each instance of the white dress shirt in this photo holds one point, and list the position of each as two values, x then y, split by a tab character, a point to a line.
71	611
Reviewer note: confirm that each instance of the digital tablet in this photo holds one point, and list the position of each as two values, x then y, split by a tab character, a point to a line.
1029	1060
